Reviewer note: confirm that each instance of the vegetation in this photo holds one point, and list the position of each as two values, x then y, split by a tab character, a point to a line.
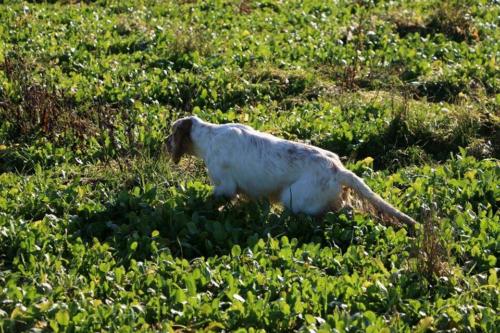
100	232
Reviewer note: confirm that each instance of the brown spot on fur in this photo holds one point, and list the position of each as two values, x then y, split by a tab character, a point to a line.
293	155
179	142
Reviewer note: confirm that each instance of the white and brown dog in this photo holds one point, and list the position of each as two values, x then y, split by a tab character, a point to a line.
241	160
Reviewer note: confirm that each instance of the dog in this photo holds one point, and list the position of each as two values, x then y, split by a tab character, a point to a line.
242	160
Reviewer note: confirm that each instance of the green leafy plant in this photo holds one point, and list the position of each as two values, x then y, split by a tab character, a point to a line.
99	231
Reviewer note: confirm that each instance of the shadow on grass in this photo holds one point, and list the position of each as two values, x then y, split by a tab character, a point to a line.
193	224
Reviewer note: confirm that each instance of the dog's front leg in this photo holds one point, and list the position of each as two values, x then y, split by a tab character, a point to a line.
225	190
224	185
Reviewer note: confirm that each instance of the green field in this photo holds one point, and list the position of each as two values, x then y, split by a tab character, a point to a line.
99	231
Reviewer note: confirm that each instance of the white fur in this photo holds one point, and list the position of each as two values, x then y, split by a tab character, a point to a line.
303	178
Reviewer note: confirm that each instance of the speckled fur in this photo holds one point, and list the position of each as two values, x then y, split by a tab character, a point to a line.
304	178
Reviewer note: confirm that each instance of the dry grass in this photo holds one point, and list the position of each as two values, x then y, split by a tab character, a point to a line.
432	255
38	107
451	19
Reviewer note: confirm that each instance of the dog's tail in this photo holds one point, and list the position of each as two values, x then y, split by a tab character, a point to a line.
351	180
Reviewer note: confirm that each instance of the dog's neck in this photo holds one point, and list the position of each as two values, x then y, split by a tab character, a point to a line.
201	138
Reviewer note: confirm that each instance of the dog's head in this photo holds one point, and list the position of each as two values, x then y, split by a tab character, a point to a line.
179	141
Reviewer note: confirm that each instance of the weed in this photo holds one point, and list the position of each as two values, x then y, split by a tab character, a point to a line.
100	232
37	107
432	258
453	20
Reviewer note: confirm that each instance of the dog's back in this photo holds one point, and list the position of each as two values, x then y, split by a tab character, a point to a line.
261	163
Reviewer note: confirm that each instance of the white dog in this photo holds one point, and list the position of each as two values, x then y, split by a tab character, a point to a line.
241	160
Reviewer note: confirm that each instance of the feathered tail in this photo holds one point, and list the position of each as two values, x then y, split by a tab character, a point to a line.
351	180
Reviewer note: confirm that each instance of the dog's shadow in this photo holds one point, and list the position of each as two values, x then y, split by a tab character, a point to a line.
193	224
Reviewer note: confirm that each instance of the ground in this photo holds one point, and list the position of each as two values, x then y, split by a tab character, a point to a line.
99	231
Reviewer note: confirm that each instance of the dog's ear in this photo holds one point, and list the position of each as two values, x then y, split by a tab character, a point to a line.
180	140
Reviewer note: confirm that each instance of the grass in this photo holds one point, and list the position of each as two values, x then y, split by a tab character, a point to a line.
99	231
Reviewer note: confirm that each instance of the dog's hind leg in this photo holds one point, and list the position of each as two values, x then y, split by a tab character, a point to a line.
304	196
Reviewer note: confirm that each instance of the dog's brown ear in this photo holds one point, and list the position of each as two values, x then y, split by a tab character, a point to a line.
181	138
